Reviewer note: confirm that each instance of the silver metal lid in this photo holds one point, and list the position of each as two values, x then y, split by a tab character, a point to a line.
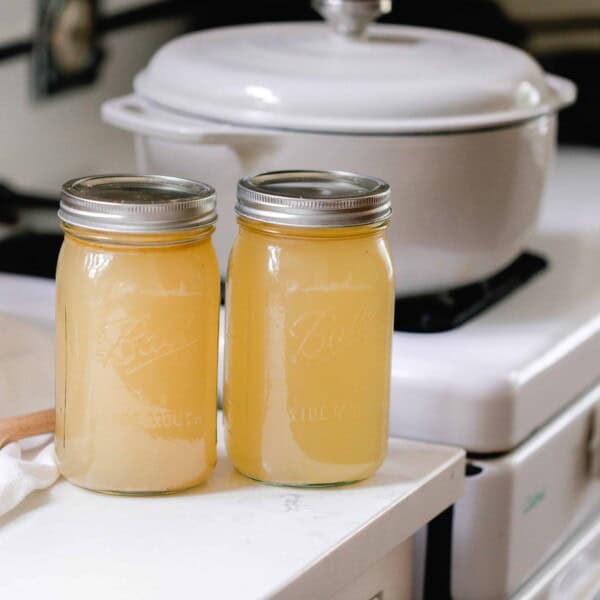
137	203
313	199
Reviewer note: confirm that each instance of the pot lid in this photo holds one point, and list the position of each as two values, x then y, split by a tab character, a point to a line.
391	79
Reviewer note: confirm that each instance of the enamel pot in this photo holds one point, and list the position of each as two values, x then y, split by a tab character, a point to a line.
463	128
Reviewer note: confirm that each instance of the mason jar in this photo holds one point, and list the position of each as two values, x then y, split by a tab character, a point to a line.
137	312
309	321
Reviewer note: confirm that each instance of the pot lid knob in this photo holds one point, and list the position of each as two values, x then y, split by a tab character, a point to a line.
351	17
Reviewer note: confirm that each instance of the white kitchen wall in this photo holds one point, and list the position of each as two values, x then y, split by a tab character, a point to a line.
17	18
44	142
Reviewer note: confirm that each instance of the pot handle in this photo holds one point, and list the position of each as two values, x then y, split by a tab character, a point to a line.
564	89
138	115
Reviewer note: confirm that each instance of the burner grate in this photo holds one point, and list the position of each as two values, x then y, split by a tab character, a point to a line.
435	313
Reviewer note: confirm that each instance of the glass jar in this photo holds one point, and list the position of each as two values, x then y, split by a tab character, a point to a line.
309	317
137	313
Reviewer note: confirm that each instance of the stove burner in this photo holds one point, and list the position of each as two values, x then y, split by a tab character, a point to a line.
29	253
434	313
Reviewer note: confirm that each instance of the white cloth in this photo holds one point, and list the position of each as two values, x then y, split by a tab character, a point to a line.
22	472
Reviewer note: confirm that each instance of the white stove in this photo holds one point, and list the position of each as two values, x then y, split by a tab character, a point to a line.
517	386
490	383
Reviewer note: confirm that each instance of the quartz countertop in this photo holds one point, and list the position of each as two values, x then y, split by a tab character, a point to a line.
230	538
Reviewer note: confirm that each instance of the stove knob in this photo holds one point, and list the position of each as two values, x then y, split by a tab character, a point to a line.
71	38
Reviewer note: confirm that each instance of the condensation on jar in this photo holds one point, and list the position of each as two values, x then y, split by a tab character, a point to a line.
137	312
309	317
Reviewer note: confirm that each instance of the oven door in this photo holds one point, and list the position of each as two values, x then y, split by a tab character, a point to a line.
521	509
574	572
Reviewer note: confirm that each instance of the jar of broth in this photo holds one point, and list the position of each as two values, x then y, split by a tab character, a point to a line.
137	312
309	317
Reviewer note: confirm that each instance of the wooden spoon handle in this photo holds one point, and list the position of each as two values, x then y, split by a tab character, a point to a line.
22	426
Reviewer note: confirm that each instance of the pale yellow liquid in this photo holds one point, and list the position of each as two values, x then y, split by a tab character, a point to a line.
136	364
309	320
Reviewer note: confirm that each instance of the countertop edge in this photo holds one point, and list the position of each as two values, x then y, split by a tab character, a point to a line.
327	574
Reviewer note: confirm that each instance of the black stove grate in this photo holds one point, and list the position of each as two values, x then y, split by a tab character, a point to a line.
29	253
435	313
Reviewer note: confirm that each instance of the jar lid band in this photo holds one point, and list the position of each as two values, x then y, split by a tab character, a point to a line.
137	203
313	199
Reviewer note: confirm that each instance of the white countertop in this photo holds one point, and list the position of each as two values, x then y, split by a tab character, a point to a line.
231	538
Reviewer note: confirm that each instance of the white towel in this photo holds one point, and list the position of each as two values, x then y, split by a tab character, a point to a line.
23	470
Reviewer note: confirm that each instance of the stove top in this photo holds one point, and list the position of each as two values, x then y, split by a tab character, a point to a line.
490	383
434	313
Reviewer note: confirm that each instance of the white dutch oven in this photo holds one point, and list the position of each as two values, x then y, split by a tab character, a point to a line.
462	128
